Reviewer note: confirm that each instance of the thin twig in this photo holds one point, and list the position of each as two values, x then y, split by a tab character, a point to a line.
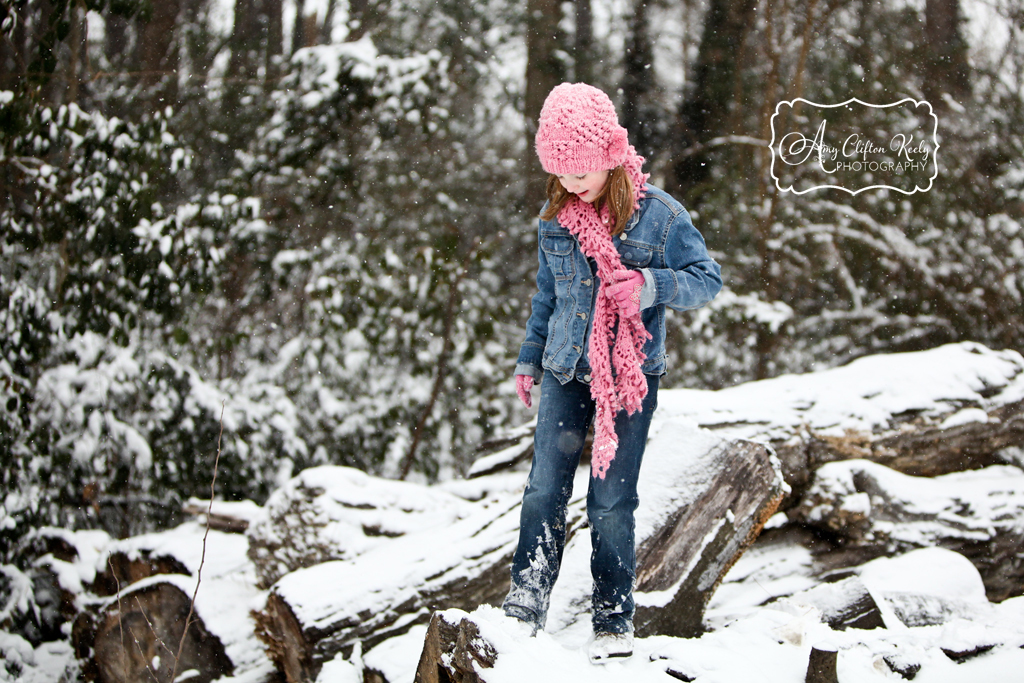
142	655
152	628
202	560
120	624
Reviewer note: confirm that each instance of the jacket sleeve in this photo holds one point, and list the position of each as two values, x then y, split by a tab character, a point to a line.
531	353
690	278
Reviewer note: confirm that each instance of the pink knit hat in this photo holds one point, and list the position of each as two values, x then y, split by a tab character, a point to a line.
579	131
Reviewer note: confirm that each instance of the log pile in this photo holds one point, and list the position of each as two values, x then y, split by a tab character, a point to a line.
138	636
868	510
691	541
905	474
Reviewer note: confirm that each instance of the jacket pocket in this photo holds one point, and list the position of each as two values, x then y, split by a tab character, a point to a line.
635	255
558	251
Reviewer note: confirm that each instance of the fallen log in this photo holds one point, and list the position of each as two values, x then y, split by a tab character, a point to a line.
950	409
123	569
843	604
453	650
702	502
338	513
689	555
316	613
917	445
869	510
136	637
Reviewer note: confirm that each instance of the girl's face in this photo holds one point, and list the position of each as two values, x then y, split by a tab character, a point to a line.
587	186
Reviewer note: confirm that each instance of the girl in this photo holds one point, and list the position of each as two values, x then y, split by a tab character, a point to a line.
614	252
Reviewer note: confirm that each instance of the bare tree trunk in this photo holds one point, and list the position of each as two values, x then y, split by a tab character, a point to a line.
328	27
78	58
299	26
704	113
544	70
275	40
157	53
583	48
947	68
359	19
115	37
442	373
638	81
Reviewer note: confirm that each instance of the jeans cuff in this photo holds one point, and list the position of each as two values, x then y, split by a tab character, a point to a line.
523	614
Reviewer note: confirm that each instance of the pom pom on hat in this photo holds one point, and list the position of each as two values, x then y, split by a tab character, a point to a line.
579	131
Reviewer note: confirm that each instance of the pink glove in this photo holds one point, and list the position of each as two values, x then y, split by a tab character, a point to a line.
625	288
523	385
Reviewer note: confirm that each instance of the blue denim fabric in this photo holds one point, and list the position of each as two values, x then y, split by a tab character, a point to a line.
660	241
565	414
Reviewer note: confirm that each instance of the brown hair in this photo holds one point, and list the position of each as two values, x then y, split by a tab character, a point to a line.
617	191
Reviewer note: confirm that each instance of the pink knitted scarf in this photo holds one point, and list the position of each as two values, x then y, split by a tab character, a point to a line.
616	341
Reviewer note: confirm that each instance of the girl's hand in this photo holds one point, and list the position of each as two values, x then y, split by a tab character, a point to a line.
625	289
523	385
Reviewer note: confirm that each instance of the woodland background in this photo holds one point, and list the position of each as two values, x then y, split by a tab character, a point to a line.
296	235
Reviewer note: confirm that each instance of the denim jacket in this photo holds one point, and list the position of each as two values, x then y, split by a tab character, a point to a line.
660	242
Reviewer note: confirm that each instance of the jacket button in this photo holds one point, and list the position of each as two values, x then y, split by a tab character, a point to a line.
586	282
586	378
582	315
577	349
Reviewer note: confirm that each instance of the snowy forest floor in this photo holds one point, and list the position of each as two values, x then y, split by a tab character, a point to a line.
761	623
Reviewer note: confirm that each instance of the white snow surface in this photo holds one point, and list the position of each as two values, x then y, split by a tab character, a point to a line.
860	396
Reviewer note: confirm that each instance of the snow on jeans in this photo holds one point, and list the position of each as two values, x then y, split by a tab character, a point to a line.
564	415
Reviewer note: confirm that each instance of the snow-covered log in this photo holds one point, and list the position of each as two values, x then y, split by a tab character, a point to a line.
137	636
454	650
132	596
338	513
681	564
949	409
843	604
312	614
821	665
871	510
703	500
125	568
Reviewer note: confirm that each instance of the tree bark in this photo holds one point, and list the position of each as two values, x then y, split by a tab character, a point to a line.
821	665
157	53
544	70
299	26
275	42
583	44
116	37
947	69
136	639
360	19
705	111
453	650
696	547
638	82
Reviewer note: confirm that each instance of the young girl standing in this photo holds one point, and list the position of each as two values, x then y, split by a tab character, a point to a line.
613	253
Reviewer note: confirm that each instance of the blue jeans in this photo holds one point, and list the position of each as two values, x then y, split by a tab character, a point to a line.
564	416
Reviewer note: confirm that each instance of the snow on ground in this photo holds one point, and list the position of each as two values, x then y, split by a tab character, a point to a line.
753	636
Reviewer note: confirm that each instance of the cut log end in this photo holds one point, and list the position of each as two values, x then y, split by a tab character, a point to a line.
137	638
453	650
821	666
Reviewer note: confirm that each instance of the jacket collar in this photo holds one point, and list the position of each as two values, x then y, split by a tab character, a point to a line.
635	218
